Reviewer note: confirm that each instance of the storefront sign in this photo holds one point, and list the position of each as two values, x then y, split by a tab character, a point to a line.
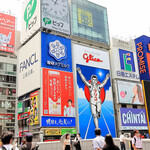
56	52
68	130
23	115
53	131
6	116
58	93
143	56
20	108
7	33
55	15
133	119
58	121
130	93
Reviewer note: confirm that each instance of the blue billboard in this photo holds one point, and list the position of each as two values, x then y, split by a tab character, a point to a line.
143	55
56	52
58	121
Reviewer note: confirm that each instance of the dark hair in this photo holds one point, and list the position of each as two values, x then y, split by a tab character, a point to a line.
29	137
78	134
69	100
6	137
134	132
94	76
67	135
109	140
97	131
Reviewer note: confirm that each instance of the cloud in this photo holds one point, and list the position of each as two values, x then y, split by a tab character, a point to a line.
108	94
80	93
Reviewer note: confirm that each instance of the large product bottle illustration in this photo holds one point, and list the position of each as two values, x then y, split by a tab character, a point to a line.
54	91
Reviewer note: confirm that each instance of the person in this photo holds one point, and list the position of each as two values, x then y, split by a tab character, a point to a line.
98	141
136	140
122	142
69	111
29	145
138	95
95	90
109	143
77	142
7	138
67	142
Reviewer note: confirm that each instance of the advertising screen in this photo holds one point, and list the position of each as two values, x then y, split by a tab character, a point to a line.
30	18
29	66
58	93
130	93
58	121
56	52
20	107
55	15
7	33
133	119
94	93
34	99
85	22
143	55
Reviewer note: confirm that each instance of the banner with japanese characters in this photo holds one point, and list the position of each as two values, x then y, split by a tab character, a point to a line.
58	93
56	52
34	108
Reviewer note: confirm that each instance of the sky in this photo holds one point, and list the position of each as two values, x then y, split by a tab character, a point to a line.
127	19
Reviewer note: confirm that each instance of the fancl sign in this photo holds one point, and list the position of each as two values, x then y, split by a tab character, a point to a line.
133	119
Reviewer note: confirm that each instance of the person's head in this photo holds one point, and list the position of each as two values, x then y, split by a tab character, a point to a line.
122	133
136	133
78	135
29	137
67	136
7	137
94	79
97	131
69	102
109	140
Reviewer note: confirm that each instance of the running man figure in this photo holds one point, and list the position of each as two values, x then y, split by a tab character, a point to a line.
95	90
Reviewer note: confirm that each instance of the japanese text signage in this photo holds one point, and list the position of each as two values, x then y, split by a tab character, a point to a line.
58	122
29	65
143	55
133	119
30	19
56	52
6	116
55	15
52	131
23	115
130	93
7	33
58	93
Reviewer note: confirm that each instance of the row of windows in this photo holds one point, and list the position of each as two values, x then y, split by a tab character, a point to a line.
7	92
8	79
8	67
7	104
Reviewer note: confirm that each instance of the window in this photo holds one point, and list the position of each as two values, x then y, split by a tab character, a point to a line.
2	78
2	91
10	67
14	68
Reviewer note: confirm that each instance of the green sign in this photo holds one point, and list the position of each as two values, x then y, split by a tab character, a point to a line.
47	21
68	130
29	11
27	109
20	107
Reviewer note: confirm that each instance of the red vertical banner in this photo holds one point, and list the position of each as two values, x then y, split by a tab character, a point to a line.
7	33
58	93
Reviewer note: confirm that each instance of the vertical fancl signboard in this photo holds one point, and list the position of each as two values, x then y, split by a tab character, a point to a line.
133	119
7	33
30	18
55	15
130	93
29	66
143	55
93	91
56	52
58	93
124	60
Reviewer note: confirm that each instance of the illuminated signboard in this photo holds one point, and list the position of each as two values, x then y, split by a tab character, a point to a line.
143	55
89	20
7	33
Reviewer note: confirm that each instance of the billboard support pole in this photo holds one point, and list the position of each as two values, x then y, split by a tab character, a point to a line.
146	108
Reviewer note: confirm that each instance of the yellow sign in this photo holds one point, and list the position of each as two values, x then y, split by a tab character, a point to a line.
52	131
85	17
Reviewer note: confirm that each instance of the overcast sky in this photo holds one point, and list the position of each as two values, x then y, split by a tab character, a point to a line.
127	18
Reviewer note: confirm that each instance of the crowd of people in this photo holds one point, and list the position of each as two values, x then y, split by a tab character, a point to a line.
99	142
